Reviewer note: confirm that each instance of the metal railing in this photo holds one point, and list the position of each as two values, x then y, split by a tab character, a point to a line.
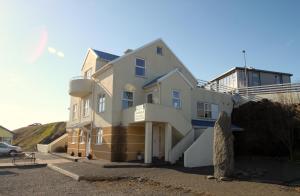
253	92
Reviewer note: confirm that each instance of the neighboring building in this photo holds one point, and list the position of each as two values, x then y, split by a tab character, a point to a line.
235	78
6	135
143	103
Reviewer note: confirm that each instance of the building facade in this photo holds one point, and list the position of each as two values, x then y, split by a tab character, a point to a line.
239	77
144	104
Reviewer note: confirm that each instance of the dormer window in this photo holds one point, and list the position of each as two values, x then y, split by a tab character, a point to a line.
139	67
159	50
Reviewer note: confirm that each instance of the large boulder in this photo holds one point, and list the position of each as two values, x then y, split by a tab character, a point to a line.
223	159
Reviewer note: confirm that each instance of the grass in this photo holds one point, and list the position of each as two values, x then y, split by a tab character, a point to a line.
29	137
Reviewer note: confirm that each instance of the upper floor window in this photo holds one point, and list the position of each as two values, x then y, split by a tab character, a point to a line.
86	107
81	137
207	110
74	137
139	67
88	74
176	99
74	112
127	99
99	137
101	103
159	50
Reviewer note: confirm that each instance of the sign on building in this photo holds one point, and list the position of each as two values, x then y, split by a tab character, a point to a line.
139	113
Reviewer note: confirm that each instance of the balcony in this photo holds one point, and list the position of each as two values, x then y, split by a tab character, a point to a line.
80	86
156	113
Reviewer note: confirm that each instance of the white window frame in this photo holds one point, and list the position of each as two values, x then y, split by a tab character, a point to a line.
177	99
74	111
99	136
81	137
74	136
86	107
137	66
101	103
207	110
125	99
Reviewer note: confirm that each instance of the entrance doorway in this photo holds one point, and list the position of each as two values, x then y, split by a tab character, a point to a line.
158	142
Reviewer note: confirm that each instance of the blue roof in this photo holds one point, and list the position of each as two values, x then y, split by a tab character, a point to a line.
106	56
153	81
208	123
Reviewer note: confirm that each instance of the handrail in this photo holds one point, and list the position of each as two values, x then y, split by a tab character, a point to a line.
79	77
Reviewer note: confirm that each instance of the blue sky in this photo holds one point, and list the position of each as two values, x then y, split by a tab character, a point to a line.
43	43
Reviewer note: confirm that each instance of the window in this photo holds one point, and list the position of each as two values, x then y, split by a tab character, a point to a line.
139	67
74	137
255	79
200	110
127	99
74	112
101	103
150	98
99	138
86	105
176	101
159	50
88	74
207	110
81	137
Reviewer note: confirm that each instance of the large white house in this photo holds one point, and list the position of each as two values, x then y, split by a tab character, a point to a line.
144	104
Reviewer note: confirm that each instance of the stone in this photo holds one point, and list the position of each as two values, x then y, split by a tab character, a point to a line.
225	179
223	155
210	177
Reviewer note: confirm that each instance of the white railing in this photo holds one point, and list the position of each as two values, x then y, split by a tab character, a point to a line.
181	146
270	89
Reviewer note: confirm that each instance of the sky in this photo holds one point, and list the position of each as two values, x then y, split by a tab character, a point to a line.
43	43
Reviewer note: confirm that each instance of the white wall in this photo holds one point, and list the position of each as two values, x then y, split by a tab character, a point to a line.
200	153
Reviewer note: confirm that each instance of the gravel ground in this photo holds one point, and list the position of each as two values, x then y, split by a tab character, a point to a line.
185	179
43	181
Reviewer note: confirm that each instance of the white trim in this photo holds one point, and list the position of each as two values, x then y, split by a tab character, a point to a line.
171	73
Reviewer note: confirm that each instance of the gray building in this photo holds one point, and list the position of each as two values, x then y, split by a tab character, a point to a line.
236	78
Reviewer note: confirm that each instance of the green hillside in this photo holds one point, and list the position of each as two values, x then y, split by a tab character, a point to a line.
29	137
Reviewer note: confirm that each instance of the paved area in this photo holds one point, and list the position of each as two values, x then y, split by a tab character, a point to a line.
192	181
43	181
41	158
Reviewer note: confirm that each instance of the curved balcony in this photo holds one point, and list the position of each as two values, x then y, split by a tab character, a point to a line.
80	86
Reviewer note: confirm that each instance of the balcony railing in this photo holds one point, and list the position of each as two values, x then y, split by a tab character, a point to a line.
80	86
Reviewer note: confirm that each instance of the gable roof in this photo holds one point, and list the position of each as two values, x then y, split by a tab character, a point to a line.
140	48
5	129
103	55
165	76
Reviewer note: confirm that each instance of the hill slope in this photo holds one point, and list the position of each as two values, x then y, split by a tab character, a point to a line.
29	137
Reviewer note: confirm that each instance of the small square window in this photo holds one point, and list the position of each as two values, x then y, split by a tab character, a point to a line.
159	51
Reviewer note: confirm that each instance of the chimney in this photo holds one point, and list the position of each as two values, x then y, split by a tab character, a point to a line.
127	51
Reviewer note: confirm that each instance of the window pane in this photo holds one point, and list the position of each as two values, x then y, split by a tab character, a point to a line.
200	110
176	94
176	103
140	71
159	50
127	95
140	62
